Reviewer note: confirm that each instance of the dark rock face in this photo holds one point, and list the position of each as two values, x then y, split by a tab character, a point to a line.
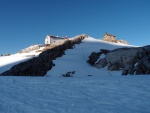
33	67
95	56
105	51
135	60
143	66
68	74
38	66
101	63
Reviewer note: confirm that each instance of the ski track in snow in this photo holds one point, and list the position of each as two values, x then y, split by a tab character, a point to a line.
103	92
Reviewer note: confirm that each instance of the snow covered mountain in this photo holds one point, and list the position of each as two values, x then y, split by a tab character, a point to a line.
73	60
90	90
76	59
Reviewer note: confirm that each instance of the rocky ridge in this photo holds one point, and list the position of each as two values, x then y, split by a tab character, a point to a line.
116	41
38	66
132	61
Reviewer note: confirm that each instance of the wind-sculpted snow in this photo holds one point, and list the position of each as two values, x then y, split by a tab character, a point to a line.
95	94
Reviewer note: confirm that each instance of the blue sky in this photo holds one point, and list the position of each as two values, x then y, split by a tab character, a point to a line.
27	22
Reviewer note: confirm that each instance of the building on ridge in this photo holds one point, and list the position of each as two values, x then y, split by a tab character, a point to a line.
51	39
109	37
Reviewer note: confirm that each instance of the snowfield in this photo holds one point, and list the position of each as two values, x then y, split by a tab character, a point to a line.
101	92
96	94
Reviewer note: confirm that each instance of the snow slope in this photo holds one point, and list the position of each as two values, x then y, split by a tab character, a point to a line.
104	92
76	59
6	62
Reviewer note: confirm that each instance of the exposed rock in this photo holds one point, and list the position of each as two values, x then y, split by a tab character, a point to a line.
131	70
143	66
113	67
68	74
105	51
90	75
124	56
111	38
30	48
135	60
39	66
125	71
93	58
7	54
101	63
128	69
123	41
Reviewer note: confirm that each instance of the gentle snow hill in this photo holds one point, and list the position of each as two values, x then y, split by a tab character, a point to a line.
100	93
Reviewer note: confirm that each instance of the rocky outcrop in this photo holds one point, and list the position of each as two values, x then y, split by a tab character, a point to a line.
116	41
68	74
111	38
135	60
30	48
122	41
38	66
101	63
95	56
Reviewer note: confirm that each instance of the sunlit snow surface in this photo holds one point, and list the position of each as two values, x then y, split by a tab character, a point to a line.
103	92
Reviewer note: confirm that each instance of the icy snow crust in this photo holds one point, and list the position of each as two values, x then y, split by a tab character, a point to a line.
103	92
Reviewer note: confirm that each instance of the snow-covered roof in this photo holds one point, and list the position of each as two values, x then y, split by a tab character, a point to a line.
51	36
